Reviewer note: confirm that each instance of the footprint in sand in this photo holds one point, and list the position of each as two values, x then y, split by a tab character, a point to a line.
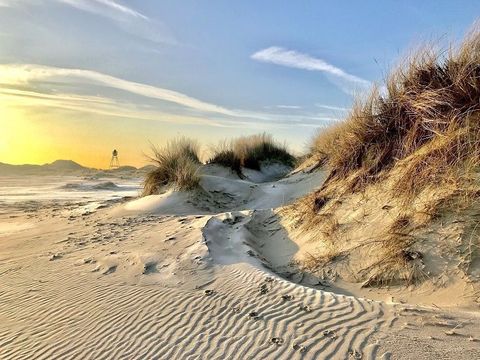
306	308
299	348
254	315
354	354
330	334
263	289
277	341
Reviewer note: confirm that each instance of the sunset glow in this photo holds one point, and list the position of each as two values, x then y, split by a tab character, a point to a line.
127	74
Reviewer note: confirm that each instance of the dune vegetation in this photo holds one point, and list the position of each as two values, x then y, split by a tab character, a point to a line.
403	175
176	166
250	152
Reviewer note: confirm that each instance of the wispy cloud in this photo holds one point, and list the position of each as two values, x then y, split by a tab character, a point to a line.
46	87
293	107
36	75
95	105
108	8
127	18
130	20
105	8
294	59
330	107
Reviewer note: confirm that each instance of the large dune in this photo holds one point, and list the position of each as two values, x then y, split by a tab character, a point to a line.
178	275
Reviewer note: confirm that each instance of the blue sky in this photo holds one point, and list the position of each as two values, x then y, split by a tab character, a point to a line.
149	70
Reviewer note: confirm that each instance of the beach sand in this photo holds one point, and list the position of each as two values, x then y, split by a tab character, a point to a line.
197	276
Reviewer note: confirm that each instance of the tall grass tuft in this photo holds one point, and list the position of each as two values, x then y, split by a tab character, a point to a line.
426	118
177	164
250	152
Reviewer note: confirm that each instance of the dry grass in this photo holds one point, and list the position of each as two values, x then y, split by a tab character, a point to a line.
224	155
414	144
176	166
323	141
398	262
250	152
428	118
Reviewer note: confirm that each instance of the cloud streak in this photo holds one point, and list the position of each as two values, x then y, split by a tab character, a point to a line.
31	75
294	59
330	107
126	18
107	8
104	8
28	85
95	105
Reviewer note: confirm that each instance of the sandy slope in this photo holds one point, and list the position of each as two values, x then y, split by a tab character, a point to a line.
180	276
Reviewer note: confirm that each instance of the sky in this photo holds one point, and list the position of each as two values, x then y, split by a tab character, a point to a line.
79	78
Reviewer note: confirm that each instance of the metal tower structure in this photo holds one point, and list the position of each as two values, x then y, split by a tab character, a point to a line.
114	163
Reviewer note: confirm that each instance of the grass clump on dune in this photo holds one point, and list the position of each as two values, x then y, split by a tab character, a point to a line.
250	152
224	155
176	166
410	150
429	110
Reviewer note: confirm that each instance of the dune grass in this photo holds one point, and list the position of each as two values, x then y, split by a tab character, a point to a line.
411	145
224	155
250	152
427	116
176	167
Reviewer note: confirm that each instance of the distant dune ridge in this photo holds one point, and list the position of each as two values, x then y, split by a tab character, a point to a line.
65	167
56	166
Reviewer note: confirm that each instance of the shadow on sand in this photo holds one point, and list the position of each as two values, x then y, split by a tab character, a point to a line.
259	239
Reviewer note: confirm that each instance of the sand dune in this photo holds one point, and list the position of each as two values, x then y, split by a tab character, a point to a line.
178	276
220	189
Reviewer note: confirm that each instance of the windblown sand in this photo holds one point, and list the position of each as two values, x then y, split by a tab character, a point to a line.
195	276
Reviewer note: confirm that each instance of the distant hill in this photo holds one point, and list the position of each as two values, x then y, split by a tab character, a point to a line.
60	167
67	167
147	168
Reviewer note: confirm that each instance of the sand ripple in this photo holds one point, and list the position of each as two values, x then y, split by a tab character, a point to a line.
94	318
